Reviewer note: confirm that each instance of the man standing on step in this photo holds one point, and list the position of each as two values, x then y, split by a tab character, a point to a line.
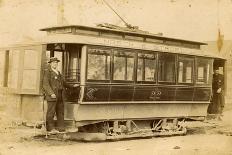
218	93
53	86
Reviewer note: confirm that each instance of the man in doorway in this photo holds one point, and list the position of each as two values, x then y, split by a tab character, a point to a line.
218	92
53	86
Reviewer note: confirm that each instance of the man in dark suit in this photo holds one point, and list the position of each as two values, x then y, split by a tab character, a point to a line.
53	86
218	92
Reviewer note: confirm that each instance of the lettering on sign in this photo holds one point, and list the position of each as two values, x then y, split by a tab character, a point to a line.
146	46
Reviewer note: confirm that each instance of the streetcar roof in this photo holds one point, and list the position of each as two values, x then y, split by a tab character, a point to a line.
138	33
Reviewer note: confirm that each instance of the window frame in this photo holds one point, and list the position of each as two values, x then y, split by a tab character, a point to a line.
23	68
110	64
68	74
175	69
134	76
193	69
210	70
156	68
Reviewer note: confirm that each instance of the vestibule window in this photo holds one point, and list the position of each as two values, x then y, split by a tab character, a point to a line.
166	65
123	66
98	64
185	70
72	61
146	67
204	70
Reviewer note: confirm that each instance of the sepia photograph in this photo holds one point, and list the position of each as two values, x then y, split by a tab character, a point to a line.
116	77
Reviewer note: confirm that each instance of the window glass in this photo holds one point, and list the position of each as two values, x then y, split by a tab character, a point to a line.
123	66
166	65
185	72
204	70
146	67
98	64
73	70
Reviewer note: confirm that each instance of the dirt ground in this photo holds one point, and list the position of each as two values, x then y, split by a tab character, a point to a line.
210	137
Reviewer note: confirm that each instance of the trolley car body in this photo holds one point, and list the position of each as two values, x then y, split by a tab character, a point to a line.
123	75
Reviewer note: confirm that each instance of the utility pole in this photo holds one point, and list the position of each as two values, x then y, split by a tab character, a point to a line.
1	2
220	38
60	12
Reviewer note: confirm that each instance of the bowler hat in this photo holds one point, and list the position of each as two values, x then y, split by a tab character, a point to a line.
52	59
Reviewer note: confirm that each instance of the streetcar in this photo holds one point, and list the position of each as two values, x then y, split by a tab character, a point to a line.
132	83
